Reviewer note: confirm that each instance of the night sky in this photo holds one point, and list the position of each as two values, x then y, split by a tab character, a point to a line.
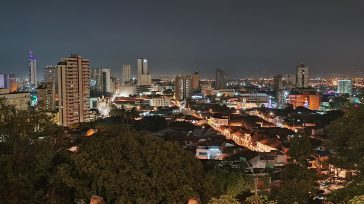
245	38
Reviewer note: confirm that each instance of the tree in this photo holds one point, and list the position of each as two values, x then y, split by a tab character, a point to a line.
300	150
151	123
28	139
224	199
298	185
127	167
346	141
298	182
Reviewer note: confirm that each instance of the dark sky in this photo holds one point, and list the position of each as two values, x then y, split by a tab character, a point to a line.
245	38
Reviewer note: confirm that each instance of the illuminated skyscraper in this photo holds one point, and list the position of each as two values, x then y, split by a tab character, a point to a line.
144	78
73	90
32	70
344	86
302	76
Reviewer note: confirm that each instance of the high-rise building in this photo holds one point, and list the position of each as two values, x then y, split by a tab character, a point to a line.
345	86
220	79
32	70
183	87
302	76
125	74
46	96
196	81
106	80
50	74
144	78
96	80
74	90
277	82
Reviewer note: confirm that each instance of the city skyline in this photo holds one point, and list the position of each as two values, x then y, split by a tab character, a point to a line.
238	37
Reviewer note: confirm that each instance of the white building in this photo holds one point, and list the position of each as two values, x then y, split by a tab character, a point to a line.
344	86
160	102
32	70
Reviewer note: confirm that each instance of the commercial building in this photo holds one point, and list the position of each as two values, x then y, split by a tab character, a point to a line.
302	76
125	74
19	100
220	79
160	102
183	87
74	90
106	80
32	70
144	78
344	86
310	101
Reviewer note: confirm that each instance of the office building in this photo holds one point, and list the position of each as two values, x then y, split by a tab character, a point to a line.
106	80
101	82
344	86
220	79
32	70
125	74
310	101
74	90
302	76
183	87
144	78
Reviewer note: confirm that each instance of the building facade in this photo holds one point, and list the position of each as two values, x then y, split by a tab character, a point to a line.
125	74
74	90
302	76
183	87
344	86
220	79
144	78
32	70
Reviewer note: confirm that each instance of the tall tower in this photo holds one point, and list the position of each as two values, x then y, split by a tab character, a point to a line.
106	80
74	90
220	79
32	70
144	77
302	76
125	74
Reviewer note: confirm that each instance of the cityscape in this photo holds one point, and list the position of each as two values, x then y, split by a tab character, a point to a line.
78	131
